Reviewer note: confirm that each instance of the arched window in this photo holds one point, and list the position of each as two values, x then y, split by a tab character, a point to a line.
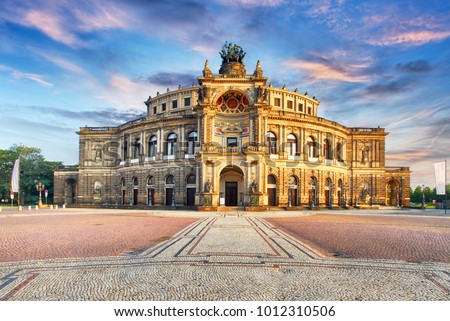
171	144
190	180
125	149
135	182
271	142
292	144
271	179
312	151
170	179
192	138
152	145
327	149
123	182
339	152
137	148
150	180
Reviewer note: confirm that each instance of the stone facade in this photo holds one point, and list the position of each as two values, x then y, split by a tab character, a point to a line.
232	140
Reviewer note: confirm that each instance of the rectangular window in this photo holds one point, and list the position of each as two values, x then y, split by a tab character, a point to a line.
300	107
154	109
232	142
290	104
310	110
174	103
163	107
187	101
277	102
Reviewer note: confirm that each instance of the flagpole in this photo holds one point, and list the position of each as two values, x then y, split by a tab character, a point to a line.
18	187
445	187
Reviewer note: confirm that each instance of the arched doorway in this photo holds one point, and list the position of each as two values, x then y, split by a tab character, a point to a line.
124	191
231	187
272	190
190	190
135	191
170	190
293	191
393	193
70	193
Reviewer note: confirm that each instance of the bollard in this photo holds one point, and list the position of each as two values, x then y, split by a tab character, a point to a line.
64	206
29	207
20	208
0	208
51	207
36	207
56	206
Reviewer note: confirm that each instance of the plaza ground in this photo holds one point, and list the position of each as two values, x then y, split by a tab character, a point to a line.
72	254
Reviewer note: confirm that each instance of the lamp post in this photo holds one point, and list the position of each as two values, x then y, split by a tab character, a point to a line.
106	193
116	190
289	196
131	186
423	197
397	196
331	195
344	195
173	194
46	195
40	187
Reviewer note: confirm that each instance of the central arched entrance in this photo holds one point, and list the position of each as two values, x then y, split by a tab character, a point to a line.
231	186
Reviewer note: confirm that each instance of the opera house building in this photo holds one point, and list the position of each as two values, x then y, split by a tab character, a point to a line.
232	141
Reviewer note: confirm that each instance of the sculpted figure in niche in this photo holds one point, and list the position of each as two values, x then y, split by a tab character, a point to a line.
253	187
208	186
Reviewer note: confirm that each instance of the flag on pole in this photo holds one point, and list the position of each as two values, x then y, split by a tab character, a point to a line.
439	174
15	177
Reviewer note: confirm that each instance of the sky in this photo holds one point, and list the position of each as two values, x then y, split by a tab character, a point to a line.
66	64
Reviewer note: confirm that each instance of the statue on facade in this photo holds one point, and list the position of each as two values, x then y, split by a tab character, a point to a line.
253	187
232	53
207	186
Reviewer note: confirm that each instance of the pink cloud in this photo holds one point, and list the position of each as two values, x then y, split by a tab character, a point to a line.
411	38
319	71
34	77
51	24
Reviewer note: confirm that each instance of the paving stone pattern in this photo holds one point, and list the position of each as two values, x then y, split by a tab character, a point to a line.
225	257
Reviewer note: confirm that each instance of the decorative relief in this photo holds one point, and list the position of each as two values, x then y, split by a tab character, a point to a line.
232	102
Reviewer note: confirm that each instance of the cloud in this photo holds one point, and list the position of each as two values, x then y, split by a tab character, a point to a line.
122	92
253	3
60	62
65	21
415	66
324	70
170	79
410	38
391	87
17	74
102	117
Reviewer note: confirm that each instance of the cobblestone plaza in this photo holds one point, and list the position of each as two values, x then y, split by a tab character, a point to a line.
222	256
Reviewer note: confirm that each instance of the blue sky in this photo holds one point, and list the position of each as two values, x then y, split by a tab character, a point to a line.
67	64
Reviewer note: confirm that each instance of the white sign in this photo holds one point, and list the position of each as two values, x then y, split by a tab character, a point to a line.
439	174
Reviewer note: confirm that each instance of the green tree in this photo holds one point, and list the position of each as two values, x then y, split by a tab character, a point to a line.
33	169
416	196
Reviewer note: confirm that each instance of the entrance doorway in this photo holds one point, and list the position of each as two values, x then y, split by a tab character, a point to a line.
272	190
231	193
169	192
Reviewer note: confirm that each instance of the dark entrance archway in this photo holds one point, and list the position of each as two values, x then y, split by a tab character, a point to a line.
231	184
272	190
